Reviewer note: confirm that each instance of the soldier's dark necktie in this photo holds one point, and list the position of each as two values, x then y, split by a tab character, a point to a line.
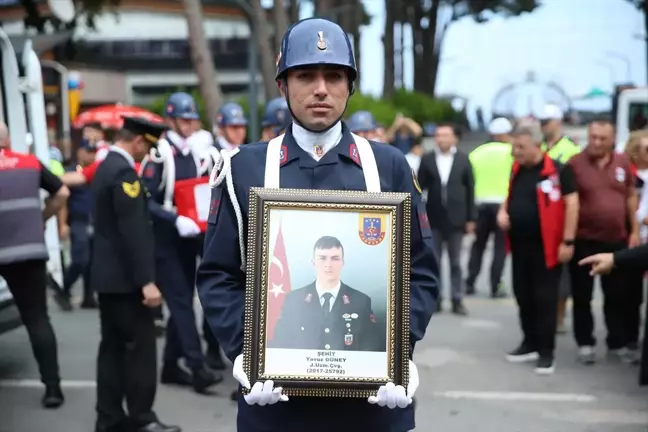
326	305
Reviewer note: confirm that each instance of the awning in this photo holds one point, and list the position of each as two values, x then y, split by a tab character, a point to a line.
40	42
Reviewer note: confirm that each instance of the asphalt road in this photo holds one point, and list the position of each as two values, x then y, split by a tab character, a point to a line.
465	382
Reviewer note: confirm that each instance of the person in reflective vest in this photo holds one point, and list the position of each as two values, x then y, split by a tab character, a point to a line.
363	123
231	124
491	163
275	119
23	252
177	180
317	152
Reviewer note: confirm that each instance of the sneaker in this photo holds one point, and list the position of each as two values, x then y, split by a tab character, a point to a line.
545	366
626	355
522	354
586	355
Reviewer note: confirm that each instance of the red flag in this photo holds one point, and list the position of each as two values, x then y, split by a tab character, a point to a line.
278	283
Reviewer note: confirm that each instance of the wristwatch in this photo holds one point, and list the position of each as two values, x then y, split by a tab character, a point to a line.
568	242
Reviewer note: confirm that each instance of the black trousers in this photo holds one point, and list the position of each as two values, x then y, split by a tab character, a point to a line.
614	291
27	282
127	361
536	291
485	226
633	302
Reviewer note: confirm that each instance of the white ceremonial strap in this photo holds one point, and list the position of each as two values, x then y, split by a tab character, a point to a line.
273	163
368	161
223	171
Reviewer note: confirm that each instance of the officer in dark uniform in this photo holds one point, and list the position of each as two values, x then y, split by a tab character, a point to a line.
123	272
178	243
78	218
316	73
327	314
363	123
231	124
275	118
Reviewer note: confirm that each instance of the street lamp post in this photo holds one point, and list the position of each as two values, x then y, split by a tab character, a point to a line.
626	60
253	68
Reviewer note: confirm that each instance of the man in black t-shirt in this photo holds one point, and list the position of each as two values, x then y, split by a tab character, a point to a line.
540	215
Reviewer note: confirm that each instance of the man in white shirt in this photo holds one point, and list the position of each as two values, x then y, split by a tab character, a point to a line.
447	175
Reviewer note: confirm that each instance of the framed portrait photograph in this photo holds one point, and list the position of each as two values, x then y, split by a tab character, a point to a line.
327	291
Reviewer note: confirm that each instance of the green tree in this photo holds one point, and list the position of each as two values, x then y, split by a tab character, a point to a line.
88	9
431	20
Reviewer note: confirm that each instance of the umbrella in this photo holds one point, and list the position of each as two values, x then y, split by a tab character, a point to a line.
110	116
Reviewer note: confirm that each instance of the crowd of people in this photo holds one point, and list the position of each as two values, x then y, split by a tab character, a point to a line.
137	231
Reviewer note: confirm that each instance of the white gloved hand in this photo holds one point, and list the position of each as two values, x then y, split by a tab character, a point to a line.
393	396
262	393
186	227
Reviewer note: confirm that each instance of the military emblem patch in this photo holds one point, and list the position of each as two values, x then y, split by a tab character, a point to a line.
348	339
131	189
321	43
353	153
283	155
371	228
318	150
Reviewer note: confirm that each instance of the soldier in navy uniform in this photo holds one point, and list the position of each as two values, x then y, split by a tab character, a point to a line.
327	314
275	119
316	73
123	273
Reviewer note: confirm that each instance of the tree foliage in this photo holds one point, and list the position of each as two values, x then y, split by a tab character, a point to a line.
86	10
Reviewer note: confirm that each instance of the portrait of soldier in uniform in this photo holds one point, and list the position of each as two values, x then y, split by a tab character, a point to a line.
327	314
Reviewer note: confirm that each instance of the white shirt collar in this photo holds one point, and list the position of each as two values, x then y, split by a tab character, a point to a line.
224	144
335	291
317	144
449	153
125	154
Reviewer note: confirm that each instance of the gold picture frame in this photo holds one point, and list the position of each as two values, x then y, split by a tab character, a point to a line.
344	349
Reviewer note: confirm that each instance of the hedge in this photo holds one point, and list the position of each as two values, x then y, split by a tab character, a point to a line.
417	106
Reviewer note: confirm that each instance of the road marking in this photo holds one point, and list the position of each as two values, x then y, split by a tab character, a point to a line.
468	395
30	383
517	396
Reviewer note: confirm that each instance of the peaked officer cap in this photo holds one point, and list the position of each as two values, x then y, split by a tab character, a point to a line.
150	131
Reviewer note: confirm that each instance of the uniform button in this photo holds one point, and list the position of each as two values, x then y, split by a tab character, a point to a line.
327	346
302	328
326	330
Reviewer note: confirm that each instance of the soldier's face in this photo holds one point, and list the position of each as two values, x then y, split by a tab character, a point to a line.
234	135
328	264
370	135
318	95
141	148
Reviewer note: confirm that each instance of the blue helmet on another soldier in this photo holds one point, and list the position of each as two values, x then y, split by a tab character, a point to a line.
181	114
363	123
276	118
316	72
232	123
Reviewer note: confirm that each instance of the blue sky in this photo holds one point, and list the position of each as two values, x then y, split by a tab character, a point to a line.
566	41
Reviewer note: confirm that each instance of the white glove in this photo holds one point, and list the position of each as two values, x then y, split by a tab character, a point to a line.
186	227
393	396
262	393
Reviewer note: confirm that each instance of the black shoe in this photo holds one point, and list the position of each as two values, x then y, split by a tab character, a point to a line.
545	366
458	308
470	288
234	395
62	299
522	354
214	360
499	294
175	375
159	427
53	397
89	303
202	379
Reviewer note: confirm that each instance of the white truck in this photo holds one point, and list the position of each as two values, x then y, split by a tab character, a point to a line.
22	120
631	113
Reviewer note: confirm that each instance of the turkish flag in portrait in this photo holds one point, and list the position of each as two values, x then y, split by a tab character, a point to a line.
278	283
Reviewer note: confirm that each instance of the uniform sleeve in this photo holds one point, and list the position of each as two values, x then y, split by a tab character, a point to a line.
152	178
48	181
636	258
135	236
220	281
470	192
424	283
567	180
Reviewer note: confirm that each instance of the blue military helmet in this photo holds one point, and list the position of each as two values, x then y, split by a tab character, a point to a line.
276	113
362	121
316	41
181	105
231	114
